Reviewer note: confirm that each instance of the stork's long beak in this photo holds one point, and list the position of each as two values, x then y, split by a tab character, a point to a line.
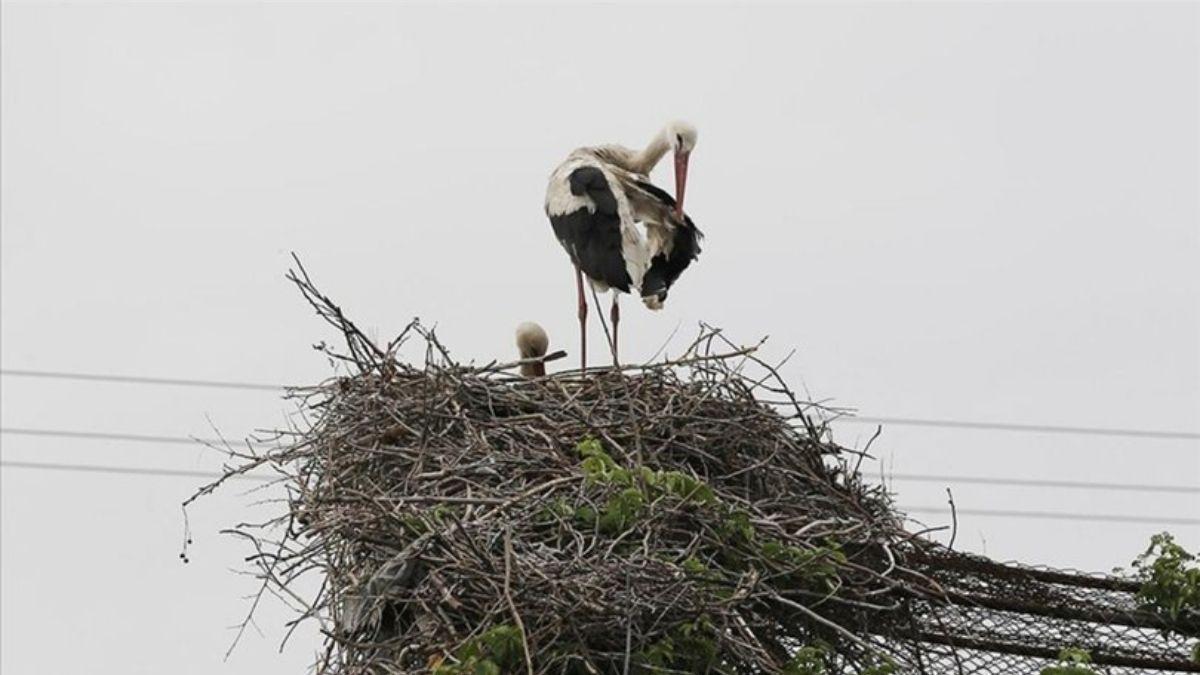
681	166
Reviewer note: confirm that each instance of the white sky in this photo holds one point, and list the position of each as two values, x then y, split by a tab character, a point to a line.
965	211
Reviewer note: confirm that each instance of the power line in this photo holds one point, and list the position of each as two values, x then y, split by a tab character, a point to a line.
898	421
1055	515
128	470
903	477
106	436
940	510
1034	428
1029	482
137	379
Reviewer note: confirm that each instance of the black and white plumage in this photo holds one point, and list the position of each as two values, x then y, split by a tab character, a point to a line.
621	231
674	241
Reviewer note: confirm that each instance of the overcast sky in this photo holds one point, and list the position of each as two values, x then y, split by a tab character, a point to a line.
954	211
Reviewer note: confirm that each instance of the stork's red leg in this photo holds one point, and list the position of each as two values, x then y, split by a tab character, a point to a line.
615	315
582	320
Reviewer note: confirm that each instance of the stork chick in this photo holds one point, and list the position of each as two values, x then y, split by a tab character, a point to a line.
532	343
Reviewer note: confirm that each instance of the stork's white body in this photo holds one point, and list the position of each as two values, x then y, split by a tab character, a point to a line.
636	247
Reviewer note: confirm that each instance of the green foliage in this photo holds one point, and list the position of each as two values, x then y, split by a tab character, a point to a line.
692	565
882	666
736	528
818	564
641	487
559	509
499	650
634	494
428	520
809	660
598	466
621	511
1071	662
590	447
817	659
699	641
416	525
688	647
618	514
659	655
679	485
1170	577
504	644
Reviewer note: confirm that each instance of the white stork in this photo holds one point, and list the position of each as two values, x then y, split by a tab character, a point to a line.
619	229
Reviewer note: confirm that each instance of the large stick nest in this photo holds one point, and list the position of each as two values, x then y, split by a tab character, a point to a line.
686	516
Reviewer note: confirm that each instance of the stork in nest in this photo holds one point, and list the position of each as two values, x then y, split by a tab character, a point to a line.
619	229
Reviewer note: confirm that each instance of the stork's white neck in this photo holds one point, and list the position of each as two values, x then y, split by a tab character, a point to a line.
645	161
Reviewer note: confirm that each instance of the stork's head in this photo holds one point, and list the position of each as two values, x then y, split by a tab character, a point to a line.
681	137
532	342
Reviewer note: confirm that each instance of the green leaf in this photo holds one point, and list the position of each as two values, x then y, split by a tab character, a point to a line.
1170	577
809	660
1071	661
621	511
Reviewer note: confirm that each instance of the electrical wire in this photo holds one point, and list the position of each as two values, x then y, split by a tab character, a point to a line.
107	436
126	470
897	421
1032	428
1045	515
901	477
1040	483
138	379
1055	515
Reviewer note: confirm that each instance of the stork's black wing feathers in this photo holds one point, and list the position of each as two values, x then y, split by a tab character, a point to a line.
593	239
590	181
666	269
659	193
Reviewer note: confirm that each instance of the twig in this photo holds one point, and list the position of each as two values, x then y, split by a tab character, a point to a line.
953	519
508	555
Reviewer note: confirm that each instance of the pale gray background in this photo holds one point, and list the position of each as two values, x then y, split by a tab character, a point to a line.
964	211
